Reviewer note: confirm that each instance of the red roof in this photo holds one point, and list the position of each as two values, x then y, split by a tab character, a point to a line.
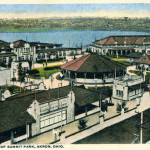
120	40
93	63
19	43
144	60
75	64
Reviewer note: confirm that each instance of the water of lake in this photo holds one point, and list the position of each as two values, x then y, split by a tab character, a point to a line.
68	38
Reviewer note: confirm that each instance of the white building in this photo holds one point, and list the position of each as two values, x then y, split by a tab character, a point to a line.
24	50
121	45
127	88
5	76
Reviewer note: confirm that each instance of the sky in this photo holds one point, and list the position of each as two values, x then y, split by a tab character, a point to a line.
112	10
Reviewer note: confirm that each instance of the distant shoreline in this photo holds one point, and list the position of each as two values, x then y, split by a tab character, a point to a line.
100	24
50	30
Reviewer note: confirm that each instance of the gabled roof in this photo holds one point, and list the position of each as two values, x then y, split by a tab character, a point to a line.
52	94
13	113
93	63
121	40
19	43
144	59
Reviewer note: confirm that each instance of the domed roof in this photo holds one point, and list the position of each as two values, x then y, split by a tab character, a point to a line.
93	63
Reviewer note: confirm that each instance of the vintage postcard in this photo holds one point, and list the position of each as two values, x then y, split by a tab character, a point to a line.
74	73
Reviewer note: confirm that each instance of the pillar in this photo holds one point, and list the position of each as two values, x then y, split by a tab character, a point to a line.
117	53
12	137
122	111
62	137
101	119
85	75
94	75
75	75
27	131
69	74
101	116
85	110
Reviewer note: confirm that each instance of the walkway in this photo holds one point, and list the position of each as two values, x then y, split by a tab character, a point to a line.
131	68
38	65
105	124
54	83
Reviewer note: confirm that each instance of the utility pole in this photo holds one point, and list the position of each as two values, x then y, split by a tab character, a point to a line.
61	116
141	132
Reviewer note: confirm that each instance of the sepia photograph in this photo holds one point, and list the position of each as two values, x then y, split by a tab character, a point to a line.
74	73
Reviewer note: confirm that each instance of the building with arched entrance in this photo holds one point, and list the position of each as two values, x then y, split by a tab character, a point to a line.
92	69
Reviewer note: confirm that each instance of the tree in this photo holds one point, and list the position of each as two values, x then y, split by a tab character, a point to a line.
30	64
21	73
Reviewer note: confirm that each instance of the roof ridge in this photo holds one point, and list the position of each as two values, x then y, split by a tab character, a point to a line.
78	60
105	58
25	94
107	39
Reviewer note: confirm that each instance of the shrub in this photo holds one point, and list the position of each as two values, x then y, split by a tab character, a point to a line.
82	124
58	77
33	71
118	107
52	68
13	79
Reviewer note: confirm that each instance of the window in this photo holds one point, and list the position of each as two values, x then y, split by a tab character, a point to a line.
39	56
52	119
31	58
60	53
44	108
132	92
119	93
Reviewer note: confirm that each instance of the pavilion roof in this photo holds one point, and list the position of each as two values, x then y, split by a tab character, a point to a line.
93	63
144	59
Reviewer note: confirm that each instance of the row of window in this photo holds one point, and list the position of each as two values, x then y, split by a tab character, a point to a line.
134	92
26	57
51	107
50	120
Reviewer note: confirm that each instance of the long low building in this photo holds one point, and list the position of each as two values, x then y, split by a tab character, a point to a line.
121	45
57	53
29	114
